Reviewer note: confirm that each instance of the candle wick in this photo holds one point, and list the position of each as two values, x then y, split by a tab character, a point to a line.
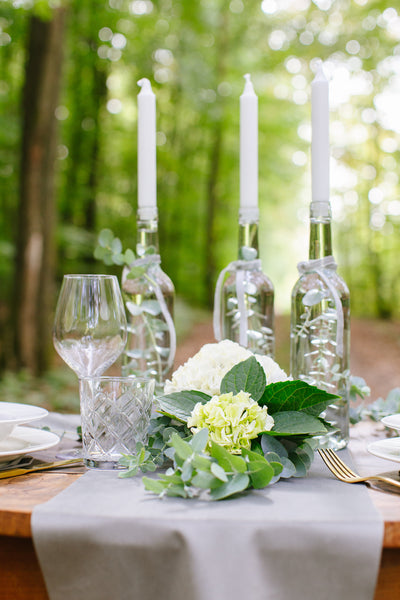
145	84
248	86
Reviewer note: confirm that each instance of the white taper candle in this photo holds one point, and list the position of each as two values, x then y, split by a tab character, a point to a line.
146	151
320	137
249	148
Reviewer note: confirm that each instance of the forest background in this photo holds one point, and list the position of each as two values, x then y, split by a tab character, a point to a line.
68	125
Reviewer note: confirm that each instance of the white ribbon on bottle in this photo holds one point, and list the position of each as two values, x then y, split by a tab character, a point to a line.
318	266
155	259
239	267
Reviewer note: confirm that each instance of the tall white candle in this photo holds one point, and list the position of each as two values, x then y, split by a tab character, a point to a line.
320	137
146	150
249	149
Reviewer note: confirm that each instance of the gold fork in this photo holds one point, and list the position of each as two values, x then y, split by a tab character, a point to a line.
344	473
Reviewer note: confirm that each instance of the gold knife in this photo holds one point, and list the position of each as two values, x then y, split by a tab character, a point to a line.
42	467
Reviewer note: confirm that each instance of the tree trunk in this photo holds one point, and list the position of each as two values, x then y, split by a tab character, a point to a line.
34	269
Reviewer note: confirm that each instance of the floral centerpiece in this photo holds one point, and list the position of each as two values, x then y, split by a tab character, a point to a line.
230	420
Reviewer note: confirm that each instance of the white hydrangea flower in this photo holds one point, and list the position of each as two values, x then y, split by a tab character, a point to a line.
205	370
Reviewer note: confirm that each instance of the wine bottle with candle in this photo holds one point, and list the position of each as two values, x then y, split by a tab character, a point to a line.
244	295
320	313
148	291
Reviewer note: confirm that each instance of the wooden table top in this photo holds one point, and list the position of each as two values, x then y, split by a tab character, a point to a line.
19	496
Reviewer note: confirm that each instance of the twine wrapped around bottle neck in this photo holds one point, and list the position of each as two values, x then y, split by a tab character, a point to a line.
319	266
155	260
239	267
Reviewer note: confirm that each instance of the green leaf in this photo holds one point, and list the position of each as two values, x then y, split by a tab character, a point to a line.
182	448
288	468
152	307
261	472
295	396
134	309
201	463
105	238
205	481
199	440
271	444
229	462
187	471
136	272
116	246
296	423
247	376
179	405
129	256
177	490
237	483
100	252
153	485
218	472
299	463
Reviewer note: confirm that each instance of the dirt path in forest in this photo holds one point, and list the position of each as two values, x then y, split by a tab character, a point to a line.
375	350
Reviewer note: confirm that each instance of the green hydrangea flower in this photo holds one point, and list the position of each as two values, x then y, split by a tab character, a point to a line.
232	421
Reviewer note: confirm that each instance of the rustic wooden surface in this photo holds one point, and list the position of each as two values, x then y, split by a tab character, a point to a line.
20	576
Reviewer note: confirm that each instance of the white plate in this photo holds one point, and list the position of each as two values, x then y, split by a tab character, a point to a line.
12	414
25	440
392	421
388	448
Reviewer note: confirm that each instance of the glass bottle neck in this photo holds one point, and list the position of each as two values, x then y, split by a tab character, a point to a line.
147	236
320	237
248	241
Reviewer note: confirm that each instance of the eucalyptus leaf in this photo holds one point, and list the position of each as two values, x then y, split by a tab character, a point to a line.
296	396
218	472
229	462
187	471
313	297
236	484
105	238
271	444
100	252
134	309
129	256
153	485
299	463
182	448
247	376
152	307
205	480
136	272
199	440
288	468
116	246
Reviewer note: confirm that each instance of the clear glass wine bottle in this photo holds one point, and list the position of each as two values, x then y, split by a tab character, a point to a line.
149	299
320	326
247	298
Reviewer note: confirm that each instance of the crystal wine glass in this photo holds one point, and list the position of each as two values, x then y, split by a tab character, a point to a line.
90	324
90	327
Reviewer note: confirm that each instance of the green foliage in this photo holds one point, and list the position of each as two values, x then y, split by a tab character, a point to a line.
219	473
283	452
378	409
248	376
195	54
179	405
295	395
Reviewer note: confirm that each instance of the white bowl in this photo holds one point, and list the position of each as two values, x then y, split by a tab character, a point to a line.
392	421
12	414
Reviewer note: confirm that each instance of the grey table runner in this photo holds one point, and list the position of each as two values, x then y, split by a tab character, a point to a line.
106	538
